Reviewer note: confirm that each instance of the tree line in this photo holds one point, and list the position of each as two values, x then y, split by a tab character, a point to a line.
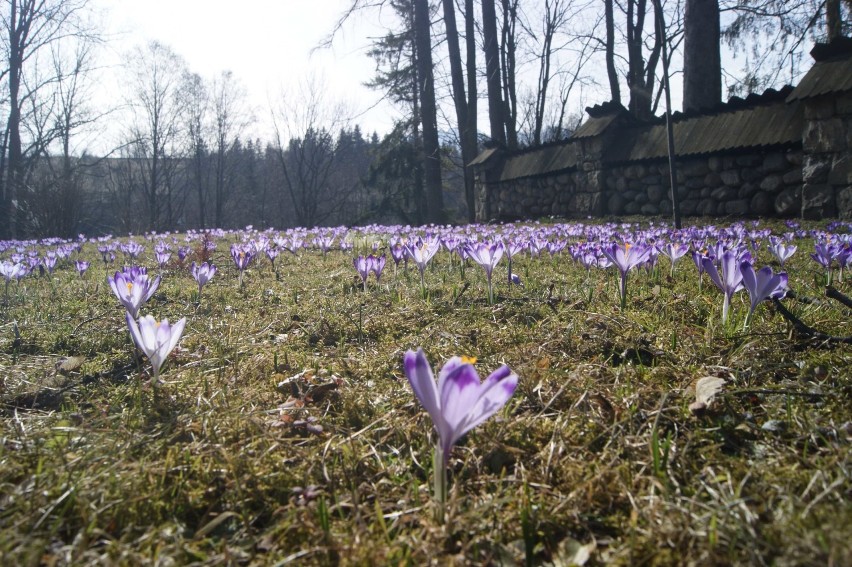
465	74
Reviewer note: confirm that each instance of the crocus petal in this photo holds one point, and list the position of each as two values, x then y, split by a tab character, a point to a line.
494	393
422	381
134	331
148	334
458	395
174	337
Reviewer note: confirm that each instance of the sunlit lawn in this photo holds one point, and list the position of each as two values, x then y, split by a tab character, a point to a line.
285	429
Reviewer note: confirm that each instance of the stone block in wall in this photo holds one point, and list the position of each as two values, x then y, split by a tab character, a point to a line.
631	208
684	192
655	192
793	177
795	157
705	192
730	177
706	207
841	171
629	195
729	162
563	179
824	136
761	204
635	171
750	174
712	179
714	163
635	185
688	207
738	207
666	207
747	190
641	198
771	183
844	203
589	166
621	184
815	169
748	161
615	204
723	194
788	202
694	168
774	162
585	204
818	201
651	180
694	183
649	209
611	183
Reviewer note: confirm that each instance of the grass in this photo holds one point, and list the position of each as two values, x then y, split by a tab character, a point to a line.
286	431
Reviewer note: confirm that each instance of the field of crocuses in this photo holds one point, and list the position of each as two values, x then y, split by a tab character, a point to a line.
542	394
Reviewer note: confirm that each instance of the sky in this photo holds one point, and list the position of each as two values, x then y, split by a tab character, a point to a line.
267	44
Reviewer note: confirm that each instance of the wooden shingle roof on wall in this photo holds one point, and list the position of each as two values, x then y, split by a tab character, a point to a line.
775	124
541	161
832	72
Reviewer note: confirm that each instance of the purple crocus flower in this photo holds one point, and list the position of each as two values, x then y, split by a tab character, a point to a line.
456	404
81	266
513	247
272	253
421	253
625	258
825	253
362	266
674	251
761	285
49	261
377	265
183	252
163	257
242	256
202	273
781	250
487	256
729	281
155	338
12	270
133	290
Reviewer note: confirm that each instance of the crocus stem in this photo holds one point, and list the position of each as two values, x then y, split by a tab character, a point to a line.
490	292
422	284
439	473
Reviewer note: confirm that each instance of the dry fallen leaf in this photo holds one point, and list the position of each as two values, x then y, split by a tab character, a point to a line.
706	389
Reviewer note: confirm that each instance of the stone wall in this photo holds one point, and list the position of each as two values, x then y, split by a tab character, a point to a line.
827	164
753	184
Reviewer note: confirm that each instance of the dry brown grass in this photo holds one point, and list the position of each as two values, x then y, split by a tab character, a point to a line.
287	433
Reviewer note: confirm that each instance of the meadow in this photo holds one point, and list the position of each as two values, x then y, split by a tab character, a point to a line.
282	428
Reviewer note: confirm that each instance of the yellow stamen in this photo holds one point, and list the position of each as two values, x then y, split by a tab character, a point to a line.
129	287
468	359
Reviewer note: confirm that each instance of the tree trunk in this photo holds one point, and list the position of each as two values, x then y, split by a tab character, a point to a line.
614	88
833	20
492	73
467	138
18	23
508	49
702	63
428	113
